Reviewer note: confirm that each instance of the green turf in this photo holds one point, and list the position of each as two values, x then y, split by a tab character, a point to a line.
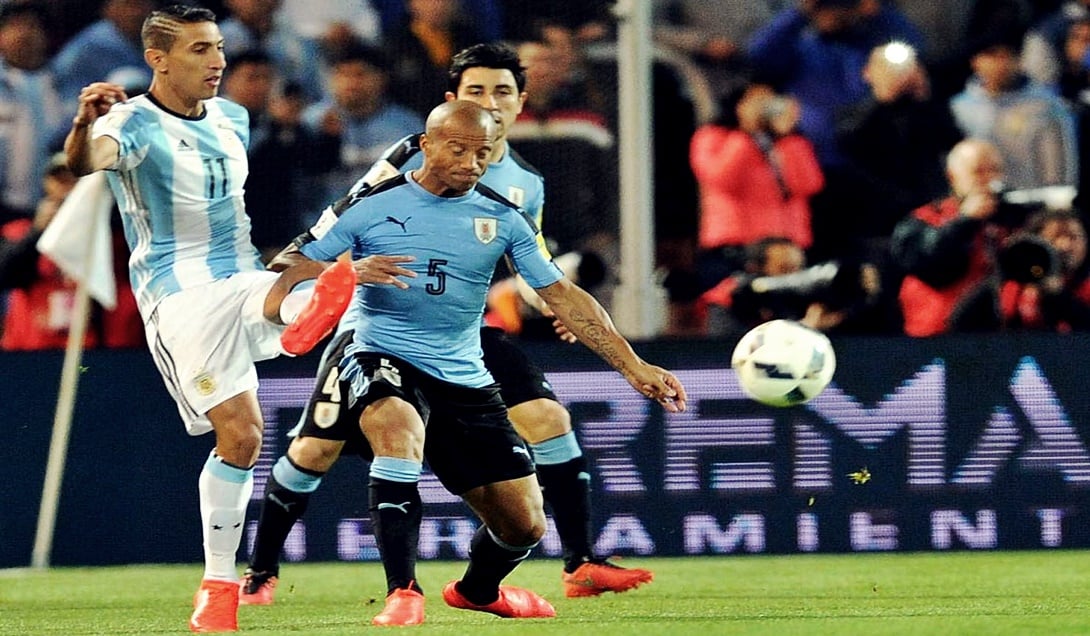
993	594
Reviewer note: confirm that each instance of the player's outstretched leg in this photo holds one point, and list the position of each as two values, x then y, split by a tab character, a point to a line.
565	484
333	291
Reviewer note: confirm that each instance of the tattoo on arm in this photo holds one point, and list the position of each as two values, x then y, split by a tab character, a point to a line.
599	337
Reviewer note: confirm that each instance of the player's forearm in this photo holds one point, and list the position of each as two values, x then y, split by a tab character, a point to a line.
590	323
77	148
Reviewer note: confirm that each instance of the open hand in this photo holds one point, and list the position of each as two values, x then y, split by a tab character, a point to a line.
380	269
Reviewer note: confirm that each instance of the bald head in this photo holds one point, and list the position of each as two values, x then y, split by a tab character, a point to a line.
460	115
973	164
457	144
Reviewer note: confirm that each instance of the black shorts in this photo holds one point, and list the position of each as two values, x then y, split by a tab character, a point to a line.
468	440
326	417
519	378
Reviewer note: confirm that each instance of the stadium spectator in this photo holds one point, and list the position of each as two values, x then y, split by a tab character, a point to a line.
334	24
33	111
176	164
895	143
490	75
756	176
815	52
41	300
260	25
420	49
1056	298
358	118
285	157
1043	56
1031	125
110	44
583	21
769	256
569	140
486	16
1074	84
712	32
947	249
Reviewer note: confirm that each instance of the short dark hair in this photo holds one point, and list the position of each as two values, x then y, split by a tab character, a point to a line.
249	56
160	28
497	55
11	10
360	52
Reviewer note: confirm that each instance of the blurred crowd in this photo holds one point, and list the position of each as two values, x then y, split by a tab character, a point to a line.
865	166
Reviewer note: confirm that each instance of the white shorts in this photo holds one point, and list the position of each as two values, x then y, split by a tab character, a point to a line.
205	341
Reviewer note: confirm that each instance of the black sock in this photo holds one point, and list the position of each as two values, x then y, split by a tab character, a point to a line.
567	489
396	513
280	509
489	562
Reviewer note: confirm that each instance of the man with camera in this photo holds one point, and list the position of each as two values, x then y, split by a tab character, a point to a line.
948	250
1046	284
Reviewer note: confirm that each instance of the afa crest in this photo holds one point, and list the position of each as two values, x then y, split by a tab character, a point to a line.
205	384
484	228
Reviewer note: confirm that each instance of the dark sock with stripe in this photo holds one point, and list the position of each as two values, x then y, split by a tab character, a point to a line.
396	513
489	563
566	487
280	509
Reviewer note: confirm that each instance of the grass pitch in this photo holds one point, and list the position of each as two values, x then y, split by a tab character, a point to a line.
995	593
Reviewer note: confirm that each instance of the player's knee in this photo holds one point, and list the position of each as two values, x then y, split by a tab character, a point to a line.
393	428
238	445
314	453
539	420
529	522
536	526
521	529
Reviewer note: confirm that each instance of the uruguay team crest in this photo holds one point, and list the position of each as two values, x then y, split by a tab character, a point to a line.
325	414
485	229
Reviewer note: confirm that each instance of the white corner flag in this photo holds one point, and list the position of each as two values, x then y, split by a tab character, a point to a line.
78	239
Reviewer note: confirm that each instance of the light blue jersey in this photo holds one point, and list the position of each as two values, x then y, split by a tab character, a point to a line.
179	183
511	177
457	241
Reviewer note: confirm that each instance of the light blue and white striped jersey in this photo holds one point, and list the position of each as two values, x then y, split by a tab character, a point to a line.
178	183
435	324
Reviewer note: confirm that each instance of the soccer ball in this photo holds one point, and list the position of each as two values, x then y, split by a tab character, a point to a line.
783	363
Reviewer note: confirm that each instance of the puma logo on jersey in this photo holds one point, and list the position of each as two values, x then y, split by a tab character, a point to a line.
519	449
400	223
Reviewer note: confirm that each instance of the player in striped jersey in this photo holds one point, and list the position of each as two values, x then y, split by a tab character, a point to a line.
176	161
492	76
